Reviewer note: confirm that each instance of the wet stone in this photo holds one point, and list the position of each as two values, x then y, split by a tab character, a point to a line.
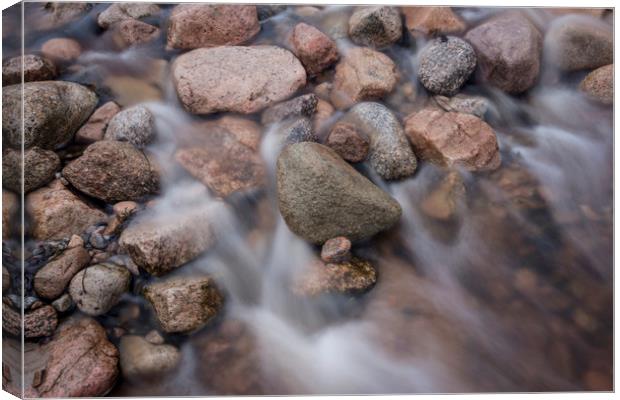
336	250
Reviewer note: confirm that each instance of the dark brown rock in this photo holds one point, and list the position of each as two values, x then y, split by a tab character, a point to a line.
442	202
184	304
81	361
453	139
10	205
350	144
508	48
39	168
315	50
208	25
57	213
35	68
113	171
51	280
39	322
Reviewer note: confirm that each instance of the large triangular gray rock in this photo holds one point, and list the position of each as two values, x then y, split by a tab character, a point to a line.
321	196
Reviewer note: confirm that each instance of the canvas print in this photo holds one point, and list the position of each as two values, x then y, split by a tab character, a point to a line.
239	199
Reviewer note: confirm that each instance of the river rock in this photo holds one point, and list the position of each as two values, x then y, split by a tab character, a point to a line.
336	250
296	131
61	50
81	361
39	168
118	12
10	205
184	304
474	105
349	277
236	78
245	131
378	26
430	21
363	74
38	322
51	280
323	116
223	163
508	48
159	244
94	129
96	289
140	358
113	171
579	42
599	84
266	11
302	106
55	14
445	64
209	25
6	279
35	68
63	304
131	32
321	196
135	125
350	144
441	203
315	50
57	213
390	154
453	139
53	111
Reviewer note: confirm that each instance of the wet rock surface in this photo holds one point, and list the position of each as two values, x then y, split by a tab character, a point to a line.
119	12
474	105
94	129
508	48
351	144
96	289
375	26
321	196
302	106
37	323
184	304
53	111
81	361
34	67
61	50
135	125
139	358
57	213
362	74
429	21
236	78
200	25
131	32
599	84
390	154
350	277
9	208
113	171
445	64
315	50
453	139
39	167
336	250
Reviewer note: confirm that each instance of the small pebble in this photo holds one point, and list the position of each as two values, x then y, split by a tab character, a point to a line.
336	250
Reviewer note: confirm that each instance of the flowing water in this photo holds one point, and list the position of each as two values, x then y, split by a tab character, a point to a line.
514	293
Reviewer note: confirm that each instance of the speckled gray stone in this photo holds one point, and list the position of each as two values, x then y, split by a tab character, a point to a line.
375	26
390	154
321	196
445	65
135	125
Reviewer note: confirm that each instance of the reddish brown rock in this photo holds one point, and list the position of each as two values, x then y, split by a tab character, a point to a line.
132	32
81	363
442	202
10	204
39	167
236	78
348	142
208	25
598	85
508	49
57	213
351	277
453	139
336	250
61	50
184	304
324	112
39	322
35	68
118	12
363	74
113	171
314	49
223	163
246	131
94	129
430	21
159	244
52	280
